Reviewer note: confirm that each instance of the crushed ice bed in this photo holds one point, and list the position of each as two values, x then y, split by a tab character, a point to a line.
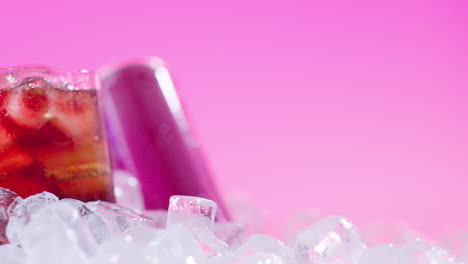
42	229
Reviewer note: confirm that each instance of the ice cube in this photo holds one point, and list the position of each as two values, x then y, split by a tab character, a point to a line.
298	222
263	249
6	82
456	244
6	198
20	211
27	104
332	240
78	205
115	218
11	254
197	215
94	222
96	225
422	253
121	247
75	113
105	220
159	216
182	209
127	190
232	233
175	245
57	225
385	254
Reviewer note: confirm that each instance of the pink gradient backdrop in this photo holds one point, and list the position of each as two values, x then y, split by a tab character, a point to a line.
355	107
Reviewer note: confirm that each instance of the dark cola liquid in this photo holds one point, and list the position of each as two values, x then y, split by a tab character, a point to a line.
51	140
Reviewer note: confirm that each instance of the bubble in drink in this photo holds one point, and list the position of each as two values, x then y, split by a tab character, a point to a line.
51	137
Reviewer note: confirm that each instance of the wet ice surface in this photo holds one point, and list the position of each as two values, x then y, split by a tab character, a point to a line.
43	229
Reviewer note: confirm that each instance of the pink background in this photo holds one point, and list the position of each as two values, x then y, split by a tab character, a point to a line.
358	108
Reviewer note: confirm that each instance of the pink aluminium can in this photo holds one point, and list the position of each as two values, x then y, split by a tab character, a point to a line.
150	136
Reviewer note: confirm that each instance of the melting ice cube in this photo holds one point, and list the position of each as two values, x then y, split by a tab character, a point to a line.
175	245
298	222
422	253
385	254
262	249
184	209
6	198
197	215
20	212
333	240
107	218
57	226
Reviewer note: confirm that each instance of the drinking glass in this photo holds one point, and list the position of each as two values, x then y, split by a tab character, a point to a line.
51	135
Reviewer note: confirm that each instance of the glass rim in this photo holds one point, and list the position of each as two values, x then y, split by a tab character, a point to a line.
36	68
81	79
